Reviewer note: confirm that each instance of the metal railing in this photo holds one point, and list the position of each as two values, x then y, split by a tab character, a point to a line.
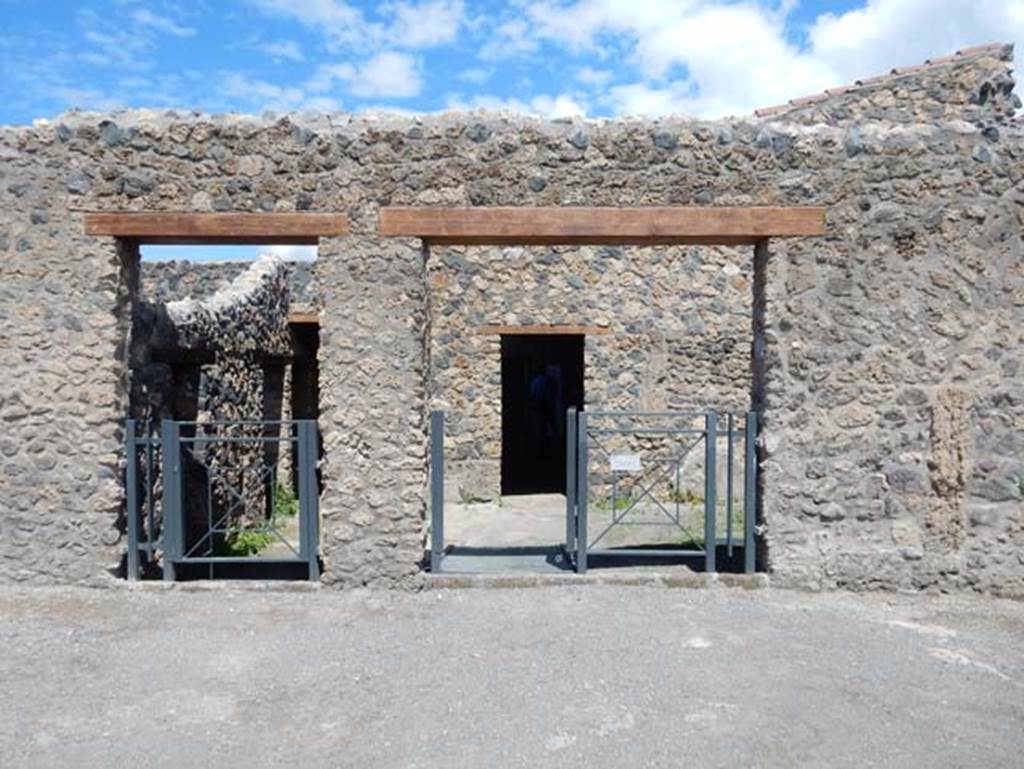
637	451
648	439
216	496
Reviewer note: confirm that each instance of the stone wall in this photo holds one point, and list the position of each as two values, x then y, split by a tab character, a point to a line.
678	325
893	405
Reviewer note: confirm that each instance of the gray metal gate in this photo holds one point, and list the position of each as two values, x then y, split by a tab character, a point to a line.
630	470
213	493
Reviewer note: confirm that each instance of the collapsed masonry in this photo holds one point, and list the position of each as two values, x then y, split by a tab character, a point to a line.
208	359
888	354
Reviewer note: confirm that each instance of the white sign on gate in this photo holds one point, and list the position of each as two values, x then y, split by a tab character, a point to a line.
623	462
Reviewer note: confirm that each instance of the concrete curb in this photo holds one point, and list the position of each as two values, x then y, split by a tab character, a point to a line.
426	581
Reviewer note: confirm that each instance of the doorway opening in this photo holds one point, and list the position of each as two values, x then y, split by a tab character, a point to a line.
541	377
223	346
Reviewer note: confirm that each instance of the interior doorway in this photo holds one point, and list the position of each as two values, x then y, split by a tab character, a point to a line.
541	377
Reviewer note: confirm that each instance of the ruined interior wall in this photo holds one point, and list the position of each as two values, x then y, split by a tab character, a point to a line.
166	281
242	325
217	356
678	323
878	336
229	321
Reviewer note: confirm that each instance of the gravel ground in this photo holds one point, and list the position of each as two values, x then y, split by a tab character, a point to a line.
586	675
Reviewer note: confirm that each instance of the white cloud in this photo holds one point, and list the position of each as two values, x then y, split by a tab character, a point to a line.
425	24
403	24
888	33
475	75
511	38
335	18
146	18
734	56
711	57
559	106
281	49
389	74
594	77
261	95
642	99
291	253
89	98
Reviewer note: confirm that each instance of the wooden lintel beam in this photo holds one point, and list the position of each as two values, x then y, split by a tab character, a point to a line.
193	228
303	316
602	225
542	330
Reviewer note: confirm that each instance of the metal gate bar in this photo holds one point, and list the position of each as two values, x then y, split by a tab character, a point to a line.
436	490
579	434
710	489
750	490
302	436
570	480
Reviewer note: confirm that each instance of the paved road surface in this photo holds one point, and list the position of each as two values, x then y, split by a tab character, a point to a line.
583	676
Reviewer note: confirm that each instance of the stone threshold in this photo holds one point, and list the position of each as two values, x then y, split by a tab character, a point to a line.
215	585
618	577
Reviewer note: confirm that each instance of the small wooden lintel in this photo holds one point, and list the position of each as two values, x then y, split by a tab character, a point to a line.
543	330
299	228
682	225
303	316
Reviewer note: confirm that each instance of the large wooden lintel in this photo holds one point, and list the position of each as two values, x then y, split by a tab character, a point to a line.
189	228
602	225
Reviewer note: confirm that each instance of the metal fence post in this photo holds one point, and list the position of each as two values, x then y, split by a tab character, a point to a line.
305	437
436	490
731	434
749	491
581	492
131	483
170	435
710	489
570	479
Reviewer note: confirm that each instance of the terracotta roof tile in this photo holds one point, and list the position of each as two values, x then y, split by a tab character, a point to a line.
805	100
987	48
839	90
777	109
874	80
909	70
893	74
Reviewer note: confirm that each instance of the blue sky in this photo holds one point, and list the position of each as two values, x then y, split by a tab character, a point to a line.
556	58
551	57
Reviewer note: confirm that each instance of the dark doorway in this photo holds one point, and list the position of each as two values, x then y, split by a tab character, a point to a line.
541	377
306	384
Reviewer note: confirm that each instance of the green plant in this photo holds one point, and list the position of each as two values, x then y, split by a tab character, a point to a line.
246	542
686	497
468	497
621	503
286	505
